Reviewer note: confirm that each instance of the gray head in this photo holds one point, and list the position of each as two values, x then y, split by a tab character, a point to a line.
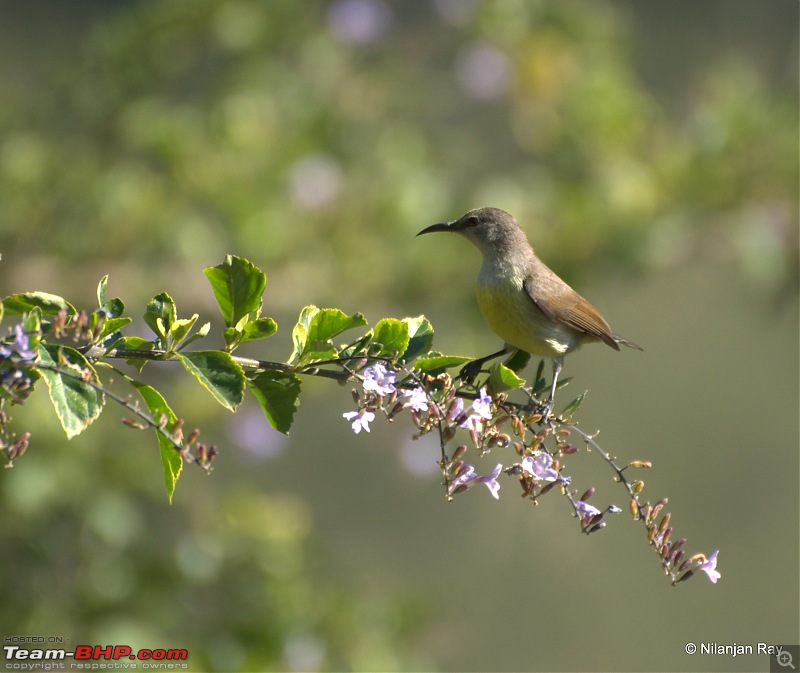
491	230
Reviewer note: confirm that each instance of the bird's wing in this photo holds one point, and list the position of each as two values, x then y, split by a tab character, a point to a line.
569	308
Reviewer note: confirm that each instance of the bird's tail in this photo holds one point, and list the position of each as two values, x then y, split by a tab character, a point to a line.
626	342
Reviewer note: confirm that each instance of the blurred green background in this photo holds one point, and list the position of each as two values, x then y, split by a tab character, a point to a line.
651	153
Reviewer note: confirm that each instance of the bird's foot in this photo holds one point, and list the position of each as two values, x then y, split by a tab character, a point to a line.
546	410
471	370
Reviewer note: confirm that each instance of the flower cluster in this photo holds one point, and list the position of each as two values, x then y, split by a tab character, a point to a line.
448	405
17	354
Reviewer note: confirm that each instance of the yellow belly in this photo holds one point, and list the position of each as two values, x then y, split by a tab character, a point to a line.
514	317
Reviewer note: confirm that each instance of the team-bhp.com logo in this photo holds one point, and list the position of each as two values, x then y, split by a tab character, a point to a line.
95	653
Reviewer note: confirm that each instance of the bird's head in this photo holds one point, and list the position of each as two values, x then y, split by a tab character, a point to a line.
491	230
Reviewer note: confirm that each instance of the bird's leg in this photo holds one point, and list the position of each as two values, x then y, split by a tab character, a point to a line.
558	363
470	370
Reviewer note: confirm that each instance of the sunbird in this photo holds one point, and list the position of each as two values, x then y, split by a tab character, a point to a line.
525	303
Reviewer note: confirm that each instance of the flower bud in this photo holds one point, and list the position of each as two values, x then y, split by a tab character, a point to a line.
193	435
678	543
640	463
19	447
633	506
594	519
587	494
654	512
637	486
664	522
547	487
459	452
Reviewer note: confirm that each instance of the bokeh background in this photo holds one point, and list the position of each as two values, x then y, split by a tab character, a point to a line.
649	150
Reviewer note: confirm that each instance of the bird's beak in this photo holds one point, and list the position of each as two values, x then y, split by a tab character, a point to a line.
441	226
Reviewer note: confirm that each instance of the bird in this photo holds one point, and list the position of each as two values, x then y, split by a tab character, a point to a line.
524	302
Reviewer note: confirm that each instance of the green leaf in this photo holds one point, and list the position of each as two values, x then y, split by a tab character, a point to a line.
279	396
392	336
573	406
314	330
518	361
32	325
539	382
300	331
101	290
171	460
436	362
115	307
180	329
160	314
48	304
258	329
218	373
111	325
76	401
420	332
501	378
238	286
199	334
135	343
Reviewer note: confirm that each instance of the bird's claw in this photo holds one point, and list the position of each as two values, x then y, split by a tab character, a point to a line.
546	410
470	370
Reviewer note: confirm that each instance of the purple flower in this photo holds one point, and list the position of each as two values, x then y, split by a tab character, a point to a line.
464	476
468	477
456	410
710	567
360	420
585	510
21	346
379	379
483	405
490	481
417	399
539	466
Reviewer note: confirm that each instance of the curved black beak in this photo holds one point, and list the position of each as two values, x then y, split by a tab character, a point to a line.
441	226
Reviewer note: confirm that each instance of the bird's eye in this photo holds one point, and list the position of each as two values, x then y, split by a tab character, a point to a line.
472	221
